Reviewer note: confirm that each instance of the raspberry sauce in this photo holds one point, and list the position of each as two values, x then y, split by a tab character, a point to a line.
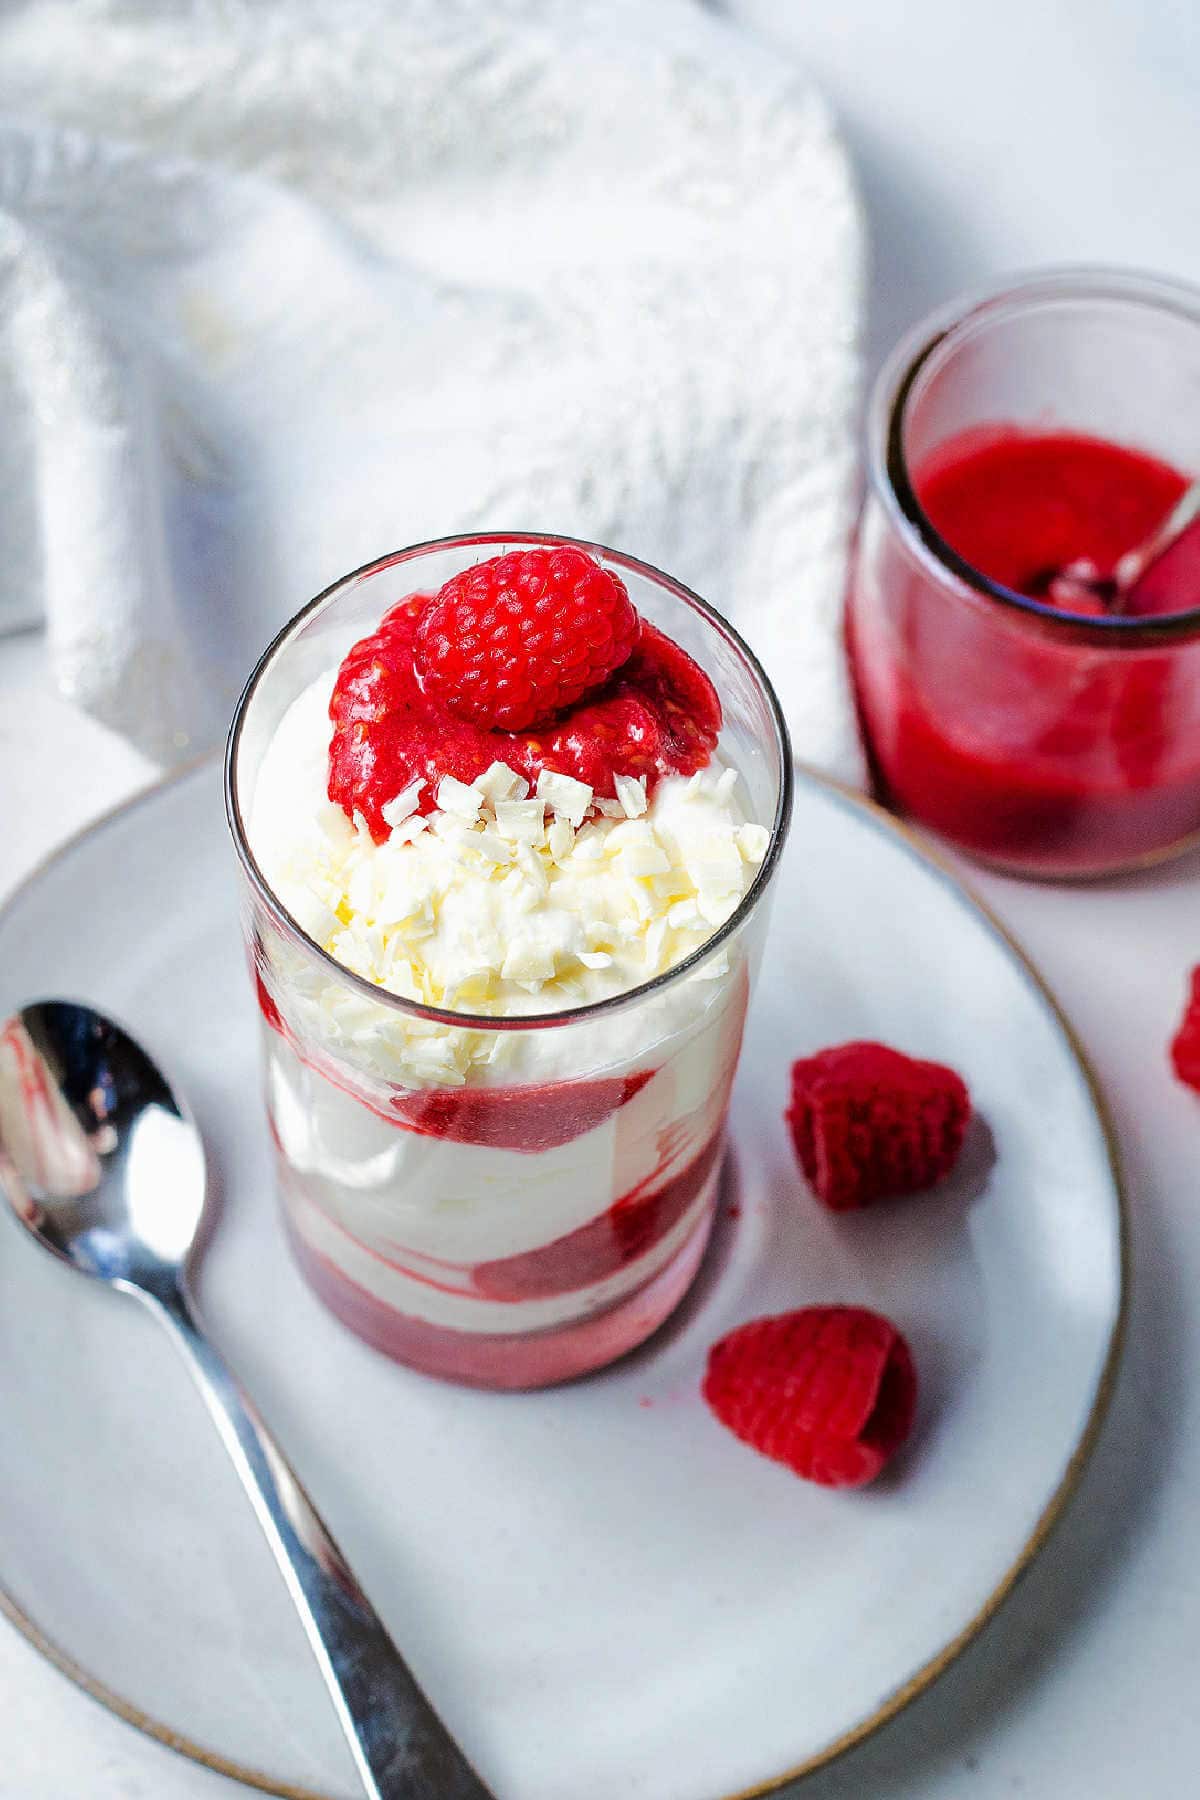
533	1117
534	1359
630	1227
1016	505
1047	750
529	1119
657	715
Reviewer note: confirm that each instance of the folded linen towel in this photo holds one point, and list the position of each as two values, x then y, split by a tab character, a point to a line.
284	288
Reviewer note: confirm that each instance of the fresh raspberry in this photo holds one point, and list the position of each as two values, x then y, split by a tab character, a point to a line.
869	1122
829	1391
658	715
1185	1045
514	641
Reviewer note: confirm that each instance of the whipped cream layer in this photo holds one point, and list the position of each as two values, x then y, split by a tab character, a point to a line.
500	902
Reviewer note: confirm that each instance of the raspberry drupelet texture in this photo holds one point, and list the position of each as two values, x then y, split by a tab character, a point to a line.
1185	1045
657	714
513	642
869	1122
829	1391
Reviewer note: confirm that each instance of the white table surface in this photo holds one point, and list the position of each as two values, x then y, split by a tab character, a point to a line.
988	139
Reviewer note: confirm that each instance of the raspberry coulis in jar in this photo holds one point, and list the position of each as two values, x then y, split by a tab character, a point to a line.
1048	749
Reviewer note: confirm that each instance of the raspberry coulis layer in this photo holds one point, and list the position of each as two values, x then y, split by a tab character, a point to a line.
530	1118
580	1259
536	1116
630	1227
657	715
532	1359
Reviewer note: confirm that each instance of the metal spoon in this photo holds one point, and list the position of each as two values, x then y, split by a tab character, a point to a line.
1080	586
105	1168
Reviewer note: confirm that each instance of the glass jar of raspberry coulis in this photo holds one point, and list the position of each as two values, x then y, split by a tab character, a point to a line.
1056	420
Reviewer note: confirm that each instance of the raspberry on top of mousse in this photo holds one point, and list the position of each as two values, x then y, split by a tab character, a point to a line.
536	659
512	642
464	866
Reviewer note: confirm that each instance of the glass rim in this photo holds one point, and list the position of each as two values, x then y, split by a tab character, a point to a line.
612	1003
887	466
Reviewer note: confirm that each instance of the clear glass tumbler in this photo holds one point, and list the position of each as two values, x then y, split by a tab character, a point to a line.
516	1231
1040	741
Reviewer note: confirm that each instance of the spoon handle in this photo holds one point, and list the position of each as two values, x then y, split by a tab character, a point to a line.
400	1747
1133	565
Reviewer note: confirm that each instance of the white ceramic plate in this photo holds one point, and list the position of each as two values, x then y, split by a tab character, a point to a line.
602	1590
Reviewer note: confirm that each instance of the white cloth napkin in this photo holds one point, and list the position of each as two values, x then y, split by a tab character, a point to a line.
284	287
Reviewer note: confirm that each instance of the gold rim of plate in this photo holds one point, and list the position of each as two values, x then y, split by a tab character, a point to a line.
915	845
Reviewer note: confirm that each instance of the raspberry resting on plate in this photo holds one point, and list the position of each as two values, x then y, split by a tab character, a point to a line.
829	1391
869	1122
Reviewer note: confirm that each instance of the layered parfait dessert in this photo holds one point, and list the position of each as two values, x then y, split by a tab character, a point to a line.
505	852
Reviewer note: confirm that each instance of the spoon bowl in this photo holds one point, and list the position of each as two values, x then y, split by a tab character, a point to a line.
101	1162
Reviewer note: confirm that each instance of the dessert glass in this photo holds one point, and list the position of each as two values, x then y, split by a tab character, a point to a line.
518	1232
1037	740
